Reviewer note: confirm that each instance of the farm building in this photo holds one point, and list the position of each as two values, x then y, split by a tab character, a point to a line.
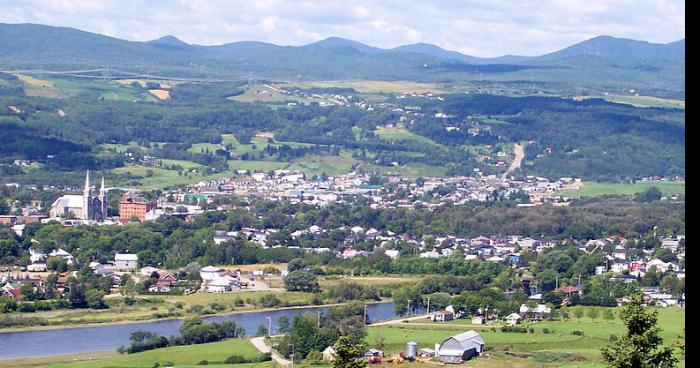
460	348
513	319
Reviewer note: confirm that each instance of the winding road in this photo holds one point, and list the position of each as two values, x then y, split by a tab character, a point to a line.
519	151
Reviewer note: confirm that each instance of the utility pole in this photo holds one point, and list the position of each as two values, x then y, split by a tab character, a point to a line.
557	283
292	355
408	307
269	326
318	318
428	305
364	319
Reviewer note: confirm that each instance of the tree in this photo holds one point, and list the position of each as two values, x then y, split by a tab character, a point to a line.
95	299
4	207
641	345
346	354
283	324
577	312
295	264
301	281
593	313
56	264
262	331
649	195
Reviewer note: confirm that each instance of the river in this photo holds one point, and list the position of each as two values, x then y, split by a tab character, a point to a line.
26	344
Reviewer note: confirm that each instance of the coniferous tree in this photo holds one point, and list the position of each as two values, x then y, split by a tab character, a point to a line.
640	346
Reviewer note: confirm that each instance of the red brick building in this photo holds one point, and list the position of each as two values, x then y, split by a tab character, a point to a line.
130	207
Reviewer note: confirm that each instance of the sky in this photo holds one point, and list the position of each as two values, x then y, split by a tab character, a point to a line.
485	28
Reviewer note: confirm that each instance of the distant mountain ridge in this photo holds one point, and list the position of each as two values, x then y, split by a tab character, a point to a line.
605	61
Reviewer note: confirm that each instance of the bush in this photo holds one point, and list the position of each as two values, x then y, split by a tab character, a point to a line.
203	362
545	330
514	329
577	333
531	330
236	359
613	338
179	305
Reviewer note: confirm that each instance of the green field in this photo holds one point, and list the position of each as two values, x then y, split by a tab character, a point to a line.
181	356
558	348
647	101
62	88
596	189
162	177
401	134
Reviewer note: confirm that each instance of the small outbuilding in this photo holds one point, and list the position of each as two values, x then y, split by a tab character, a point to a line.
513	319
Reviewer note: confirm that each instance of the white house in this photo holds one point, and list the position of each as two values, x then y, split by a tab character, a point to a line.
513	319
125	261
63	254
392	253
36	255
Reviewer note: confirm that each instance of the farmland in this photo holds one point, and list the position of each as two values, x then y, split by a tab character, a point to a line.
558	347
589	189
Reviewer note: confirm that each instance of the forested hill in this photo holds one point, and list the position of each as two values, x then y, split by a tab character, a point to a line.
602	62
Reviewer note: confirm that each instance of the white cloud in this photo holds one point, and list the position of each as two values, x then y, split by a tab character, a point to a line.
476	27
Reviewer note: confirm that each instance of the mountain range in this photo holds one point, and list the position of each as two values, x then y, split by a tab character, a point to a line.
602	61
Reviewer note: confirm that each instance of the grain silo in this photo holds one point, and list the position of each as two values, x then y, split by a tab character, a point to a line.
411	350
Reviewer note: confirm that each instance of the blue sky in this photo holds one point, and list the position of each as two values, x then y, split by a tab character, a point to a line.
475	27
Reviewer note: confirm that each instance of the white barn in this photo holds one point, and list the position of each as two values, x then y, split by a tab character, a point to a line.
460	348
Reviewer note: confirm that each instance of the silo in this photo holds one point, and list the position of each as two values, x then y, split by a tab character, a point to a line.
411	350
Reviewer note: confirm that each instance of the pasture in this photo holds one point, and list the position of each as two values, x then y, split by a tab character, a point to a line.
589	189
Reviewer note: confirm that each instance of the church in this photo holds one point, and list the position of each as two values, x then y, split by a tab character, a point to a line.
91	206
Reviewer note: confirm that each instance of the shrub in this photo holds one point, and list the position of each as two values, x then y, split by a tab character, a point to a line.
545	330
203	362
514	329
613	338
235	359
179	305
577	333
531	330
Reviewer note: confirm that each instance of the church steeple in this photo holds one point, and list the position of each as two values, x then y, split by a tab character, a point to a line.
86	197
103	199
86	191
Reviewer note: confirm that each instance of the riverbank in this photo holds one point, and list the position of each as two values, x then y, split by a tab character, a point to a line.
117	323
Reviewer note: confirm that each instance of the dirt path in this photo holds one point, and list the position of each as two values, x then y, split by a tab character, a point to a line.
259	343
395	321
519	151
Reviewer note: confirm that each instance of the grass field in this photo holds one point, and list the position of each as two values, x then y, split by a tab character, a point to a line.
62	88
181	356
558	348
401	134
377	86
589	189
643	101
162	177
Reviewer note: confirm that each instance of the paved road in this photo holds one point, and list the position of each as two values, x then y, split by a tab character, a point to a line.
259	343
519	151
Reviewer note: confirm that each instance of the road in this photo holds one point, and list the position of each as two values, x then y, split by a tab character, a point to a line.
519	151
395	321
259	343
